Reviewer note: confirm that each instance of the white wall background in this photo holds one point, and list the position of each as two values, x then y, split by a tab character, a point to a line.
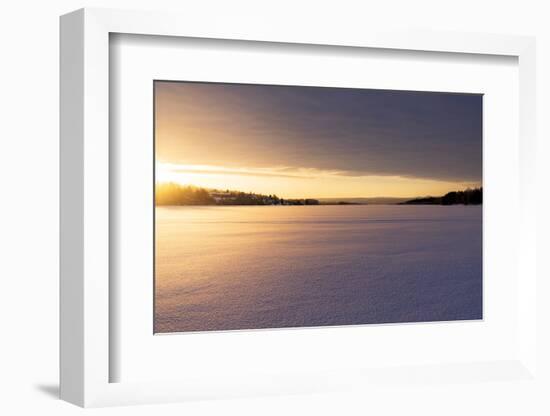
29	195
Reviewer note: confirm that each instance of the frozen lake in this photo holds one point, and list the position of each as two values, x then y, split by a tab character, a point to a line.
223	268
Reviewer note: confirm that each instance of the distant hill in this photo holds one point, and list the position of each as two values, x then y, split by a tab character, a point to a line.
369	201
466	197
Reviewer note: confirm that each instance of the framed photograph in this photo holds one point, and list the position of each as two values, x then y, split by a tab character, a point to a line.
262	211
293	206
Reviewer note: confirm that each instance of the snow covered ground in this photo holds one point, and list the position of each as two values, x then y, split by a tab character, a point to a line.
223	268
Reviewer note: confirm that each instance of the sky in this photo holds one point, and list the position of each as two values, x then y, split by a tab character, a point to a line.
314	142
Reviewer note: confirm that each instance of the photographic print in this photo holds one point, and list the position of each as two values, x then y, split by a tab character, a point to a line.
297	206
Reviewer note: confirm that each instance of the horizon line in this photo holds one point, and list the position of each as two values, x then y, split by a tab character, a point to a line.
317	197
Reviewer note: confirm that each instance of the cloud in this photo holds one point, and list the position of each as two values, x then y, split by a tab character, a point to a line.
351	132
241	172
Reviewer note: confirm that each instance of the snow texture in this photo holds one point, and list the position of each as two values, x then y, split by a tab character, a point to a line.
226	268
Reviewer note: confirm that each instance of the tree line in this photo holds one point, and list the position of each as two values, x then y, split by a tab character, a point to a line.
466	197
175	194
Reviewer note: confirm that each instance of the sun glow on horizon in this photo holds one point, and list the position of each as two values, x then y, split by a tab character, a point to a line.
290	182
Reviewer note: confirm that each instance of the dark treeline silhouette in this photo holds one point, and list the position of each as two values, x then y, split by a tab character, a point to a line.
174	194
467	197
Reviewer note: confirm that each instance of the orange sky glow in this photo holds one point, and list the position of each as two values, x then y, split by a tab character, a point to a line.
305	142
302	183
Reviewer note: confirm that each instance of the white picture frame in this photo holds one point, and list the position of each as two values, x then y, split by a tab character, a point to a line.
85	219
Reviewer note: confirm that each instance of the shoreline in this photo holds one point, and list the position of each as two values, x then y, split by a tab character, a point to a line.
319	205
